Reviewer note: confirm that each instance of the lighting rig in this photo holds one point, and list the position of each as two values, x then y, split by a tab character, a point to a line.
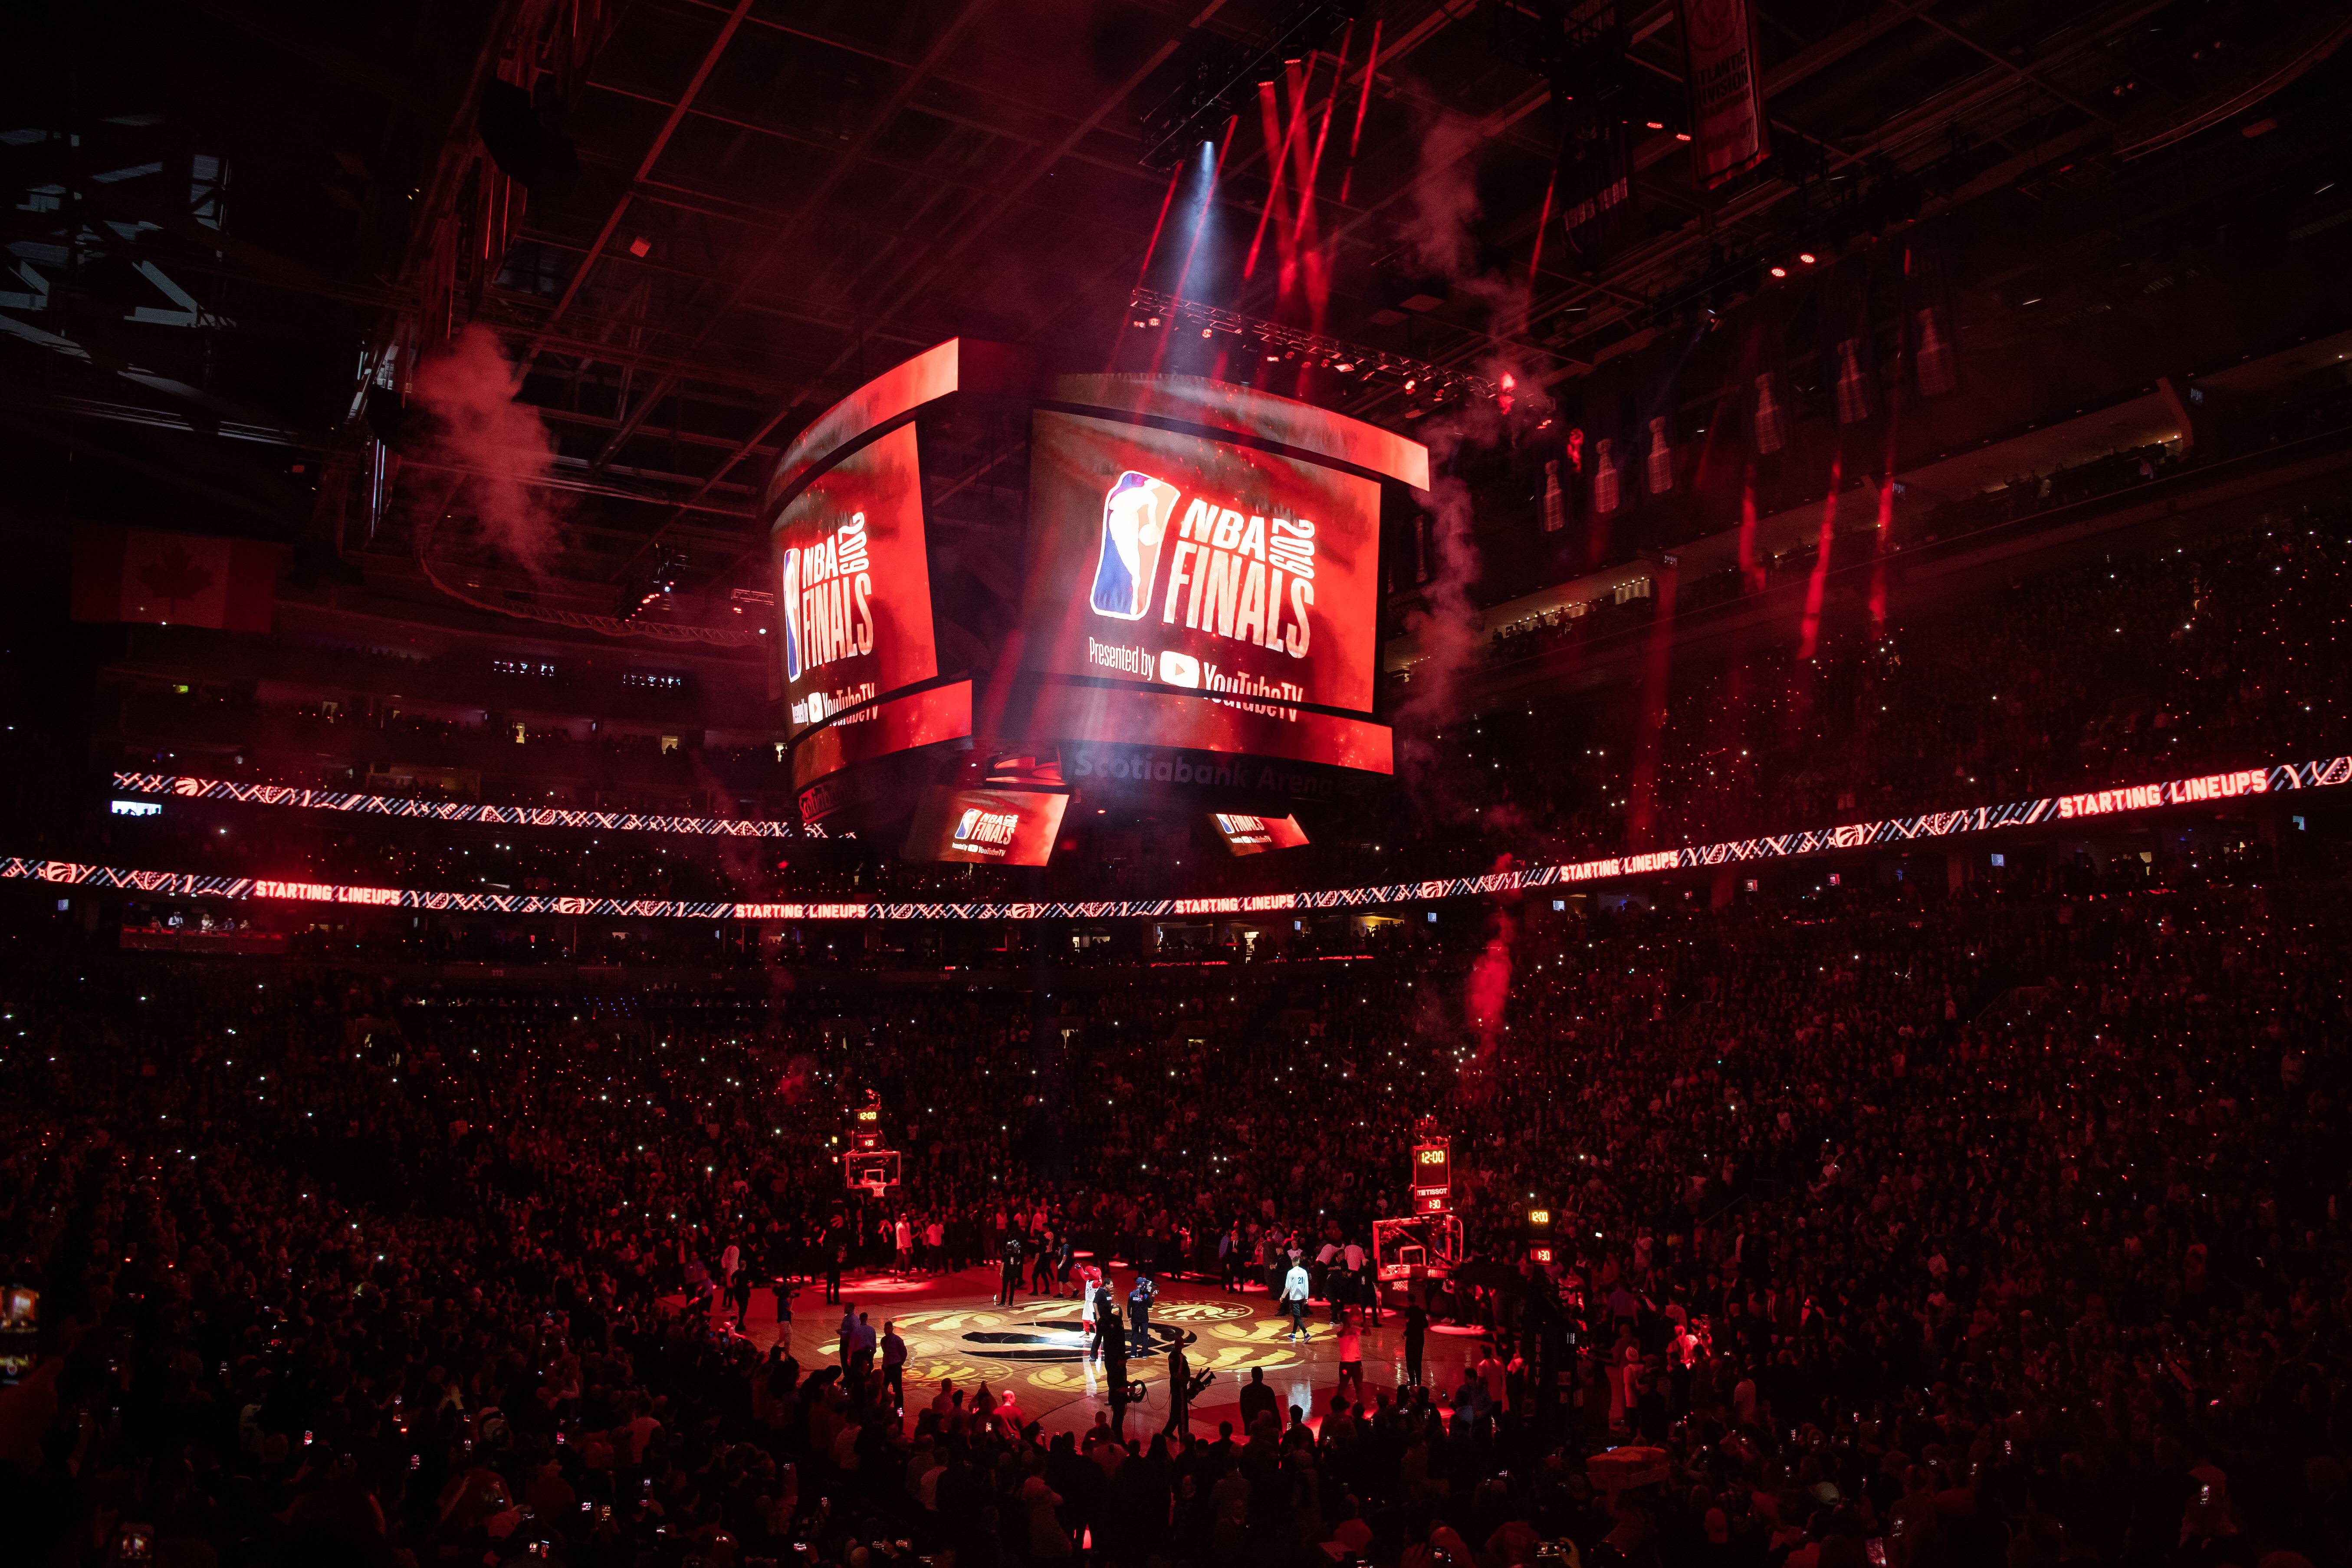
653	590
1225	81
1150	311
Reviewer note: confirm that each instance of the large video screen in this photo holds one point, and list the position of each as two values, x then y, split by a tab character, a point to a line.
986	827
1164	564
854	593
1256	835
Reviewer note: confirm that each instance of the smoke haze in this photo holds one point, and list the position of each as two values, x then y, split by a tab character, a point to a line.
499	446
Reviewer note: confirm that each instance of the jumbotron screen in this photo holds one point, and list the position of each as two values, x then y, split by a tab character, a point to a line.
854	592
1256	835
1165	562
986	827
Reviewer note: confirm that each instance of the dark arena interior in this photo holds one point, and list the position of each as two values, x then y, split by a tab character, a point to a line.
1304	784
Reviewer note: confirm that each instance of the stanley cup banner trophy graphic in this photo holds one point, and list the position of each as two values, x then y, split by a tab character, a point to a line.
1136	513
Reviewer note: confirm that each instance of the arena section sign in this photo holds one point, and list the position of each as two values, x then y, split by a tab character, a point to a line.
1203	573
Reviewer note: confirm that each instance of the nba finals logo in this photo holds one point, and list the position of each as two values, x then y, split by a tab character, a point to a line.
985	832
790	598
1135	520
828	598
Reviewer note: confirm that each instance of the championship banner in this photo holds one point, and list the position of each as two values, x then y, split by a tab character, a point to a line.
1849	346
1931	344
1596	191
1730	135
1610	431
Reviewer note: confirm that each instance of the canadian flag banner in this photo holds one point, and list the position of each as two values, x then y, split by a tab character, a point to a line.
173	579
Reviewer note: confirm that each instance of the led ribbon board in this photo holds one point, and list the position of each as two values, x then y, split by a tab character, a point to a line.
1885	832
450	810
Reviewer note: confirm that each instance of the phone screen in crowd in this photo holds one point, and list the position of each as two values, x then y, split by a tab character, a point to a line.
1876	1549
138	1544
20	1332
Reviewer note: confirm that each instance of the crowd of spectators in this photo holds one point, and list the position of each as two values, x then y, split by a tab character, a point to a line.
2214	654
2000	1228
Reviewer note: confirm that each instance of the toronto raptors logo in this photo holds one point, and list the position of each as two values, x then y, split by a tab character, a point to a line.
1058	1339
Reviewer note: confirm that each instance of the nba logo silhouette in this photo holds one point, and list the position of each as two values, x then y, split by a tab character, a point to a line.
971	819
791	599
1135	520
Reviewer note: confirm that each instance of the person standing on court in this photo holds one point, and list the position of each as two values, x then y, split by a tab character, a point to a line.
1416	1329
1114	1359
1139	1314
1351	1362
1180	1389
1008	1275
1295	1287
894	1367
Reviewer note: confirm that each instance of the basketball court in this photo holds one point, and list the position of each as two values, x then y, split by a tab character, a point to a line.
954	1331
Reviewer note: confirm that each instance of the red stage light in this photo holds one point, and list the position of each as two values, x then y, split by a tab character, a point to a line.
1780	272
1806	257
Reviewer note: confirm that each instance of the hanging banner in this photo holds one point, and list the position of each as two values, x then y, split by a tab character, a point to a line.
1596	187
1760	387
1728	133
173	579
1849	349
1931	346
1609	450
